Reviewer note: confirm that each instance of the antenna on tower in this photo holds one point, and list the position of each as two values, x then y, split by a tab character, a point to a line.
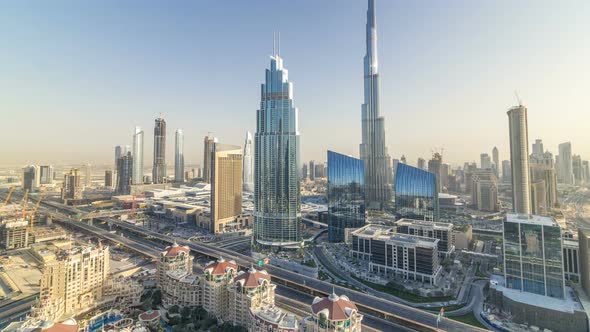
274	37
279	53
518	98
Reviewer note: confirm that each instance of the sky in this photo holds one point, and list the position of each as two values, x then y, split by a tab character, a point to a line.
76	77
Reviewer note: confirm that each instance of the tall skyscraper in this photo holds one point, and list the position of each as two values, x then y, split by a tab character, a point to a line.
421	163
226	186
584	243
485	161
579	176
277	201
312	170
248	164
179	157
124	174
538	147
435	167
31	177
373	151
118	154
46	174
137	156
346	195
72	186
496	159
519	159
565	165
108	179
87	175
159	170
506	171
209	143
543	183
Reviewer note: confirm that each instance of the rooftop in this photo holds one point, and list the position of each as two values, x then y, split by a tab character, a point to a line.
388	233
221	266
531	219
424	223
252	277
335	307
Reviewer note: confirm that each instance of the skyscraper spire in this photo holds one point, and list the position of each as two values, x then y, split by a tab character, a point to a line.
373	152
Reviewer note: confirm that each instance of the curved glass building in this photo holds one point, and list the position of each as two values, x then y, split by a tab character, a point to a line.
277	200
346	194
416	193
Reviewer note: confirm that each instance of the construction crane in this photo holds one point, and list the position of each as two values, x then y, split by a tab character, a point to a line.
36	208
133	205
24	202
7	197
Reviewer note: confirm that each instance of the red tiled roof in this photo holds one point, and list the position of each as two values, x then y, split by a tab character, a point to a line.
174	250
220	266
149	315
338	307
252	277
60	327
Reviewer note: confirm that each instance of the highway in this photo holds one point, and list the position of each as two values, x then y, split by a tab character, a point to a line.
369	305
16	310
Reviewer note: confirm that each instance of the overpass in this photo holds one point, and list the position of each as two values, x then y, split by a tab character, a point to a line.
391	311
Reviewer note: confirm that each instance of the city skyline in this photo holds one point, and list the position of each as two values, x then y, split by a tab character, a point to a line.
459	84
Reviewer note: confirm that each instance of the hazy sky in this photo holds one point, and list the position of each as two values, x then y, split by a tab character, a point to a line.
77	76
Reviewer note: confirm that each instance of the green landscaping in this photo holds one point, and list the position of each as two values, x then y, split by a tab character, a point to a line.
468	319
399	291
478	272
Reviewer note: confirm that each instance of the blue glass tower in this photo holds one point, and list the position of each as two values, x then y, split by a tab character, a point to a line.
416	194
277	202
346	195
372	148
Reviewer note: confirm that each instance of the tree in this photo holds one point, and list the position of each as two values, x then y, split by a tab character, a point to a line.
185	313
156	298
173	309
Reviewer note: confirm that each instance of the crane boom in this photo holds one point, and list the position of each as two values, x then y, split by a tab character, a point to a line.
7	197
24	202
36	208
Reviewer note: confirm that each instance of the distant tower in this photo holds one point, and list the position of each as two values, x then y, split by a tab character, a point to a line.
565	164
137	156
72	187
124	174
179	157
421	163
496	159
209	143
31	177
538	148
403	159
159	169
277	200
485	161
87	175
248	167
226	186
519	159
373	151
118	154
435	166
46	174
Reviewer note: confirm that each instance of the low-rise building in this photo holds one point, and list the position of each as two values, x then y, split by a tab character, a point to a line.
435	230
388	252
14	234
150	319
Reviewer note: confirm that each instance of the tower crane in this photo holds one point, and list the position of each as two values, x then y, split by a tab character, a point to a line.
7	197
36	208
24	202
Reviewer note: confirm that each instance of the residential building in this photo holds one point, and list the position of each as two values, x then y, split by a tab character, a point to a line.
271	318
373	151
434	167
543	170
506	171
579	174
209	143
218	275
485	161
277	200
421	163
584	258
175	276
118	154
46	174
72	186
496	160
304	171
519	158
250	290
345	193
416	194
137	156
248	164
87	175
331	314
124	174
571	259
539	205
434	230
538	149
31	181
226	186
179	157
14	234
484	190
159	167
388	252
533	257
565	172
108	179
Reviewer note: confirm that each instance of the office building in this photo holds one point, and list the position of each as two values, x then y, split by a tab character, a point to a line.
485	161
208	144
312	170
434	230
373	152
571	259
226	187
435	167
118	154
277	201
304	171
124	174
519	159
72	186
565	172
46	174
584	251
533	260
159	168
388	252
421	163
345	193
506	171
87	175
496	160
539	204
108	179
31	181
331	314
538	149
179	156
248	164
579	174
484	190
416	194
137	156
543	171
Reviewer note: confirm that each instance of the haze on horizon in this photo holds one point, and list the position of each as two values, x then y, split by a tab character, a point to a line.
77	77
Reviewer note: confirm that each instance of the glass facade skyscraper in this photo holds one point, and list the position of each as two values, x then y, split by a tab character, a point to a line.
137	156
159	170
346	195
179	157
416	194
372	148
277	201
533	260
248	164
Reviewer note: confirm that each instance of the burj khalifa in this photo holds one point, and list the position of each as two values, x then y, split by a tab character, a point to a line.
372	148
